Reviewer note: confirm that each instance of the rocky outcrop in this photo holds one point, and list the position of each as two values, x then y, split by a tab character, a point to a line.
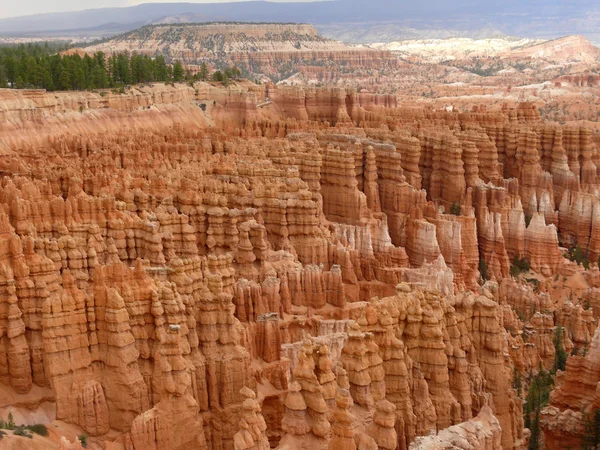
481	432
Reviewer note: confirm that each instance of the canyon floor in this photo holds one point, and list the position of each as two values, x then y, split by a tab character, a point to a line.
387	249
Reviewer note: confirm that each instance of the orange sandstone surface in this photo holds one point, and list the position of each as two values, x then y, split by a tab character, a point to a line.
254	267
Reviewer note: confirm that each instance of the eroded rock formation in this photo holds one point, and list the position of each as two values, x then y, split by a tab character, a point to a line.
329	272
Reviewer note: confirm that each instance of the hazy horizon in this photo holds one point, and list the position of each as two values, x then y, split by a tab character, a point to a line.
347	20
32	7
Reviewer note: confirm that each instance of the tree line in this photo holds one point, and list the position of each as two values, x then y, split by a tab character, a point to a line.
42	66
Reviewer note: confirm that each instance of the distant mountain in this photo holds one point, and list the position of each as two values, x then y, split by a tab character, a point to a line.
350	20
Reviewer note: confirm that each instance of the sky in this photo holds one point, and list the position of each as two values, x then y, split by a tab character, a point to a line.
12	8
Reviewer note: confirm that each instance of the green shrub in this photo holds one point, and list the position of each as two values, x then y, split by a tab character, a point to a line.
560	356
519	265
591	435
38	428
578	255
10	423
538	396
483	270
535	282
455	209
83	440
517	386
22	431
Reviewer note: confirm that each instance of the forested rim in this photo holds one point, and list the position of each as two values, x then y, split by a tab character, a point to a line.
42	66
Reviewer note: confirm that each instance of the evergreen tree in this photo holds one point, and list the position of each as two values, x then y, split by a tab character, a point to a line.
19	83
64	79
534	440
537	398
160	69
3	78
47	81
203	73
560	355
591	431
517	382
10	64
178	73
41	66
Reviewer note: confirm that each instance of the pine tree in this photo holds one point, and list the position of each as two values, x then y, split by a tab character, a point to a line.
203	73
3	78
178	73
534	439
590	440
64	80
41	66
10	423
538	396
560	355
517	382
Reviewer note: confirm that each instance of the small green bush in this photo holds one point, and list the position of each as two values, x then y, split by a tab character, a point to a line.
591	435
10	422
518	266
535	283
560	355
517	385
83	440
38	428
455	209
578	255
22	431
483	270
